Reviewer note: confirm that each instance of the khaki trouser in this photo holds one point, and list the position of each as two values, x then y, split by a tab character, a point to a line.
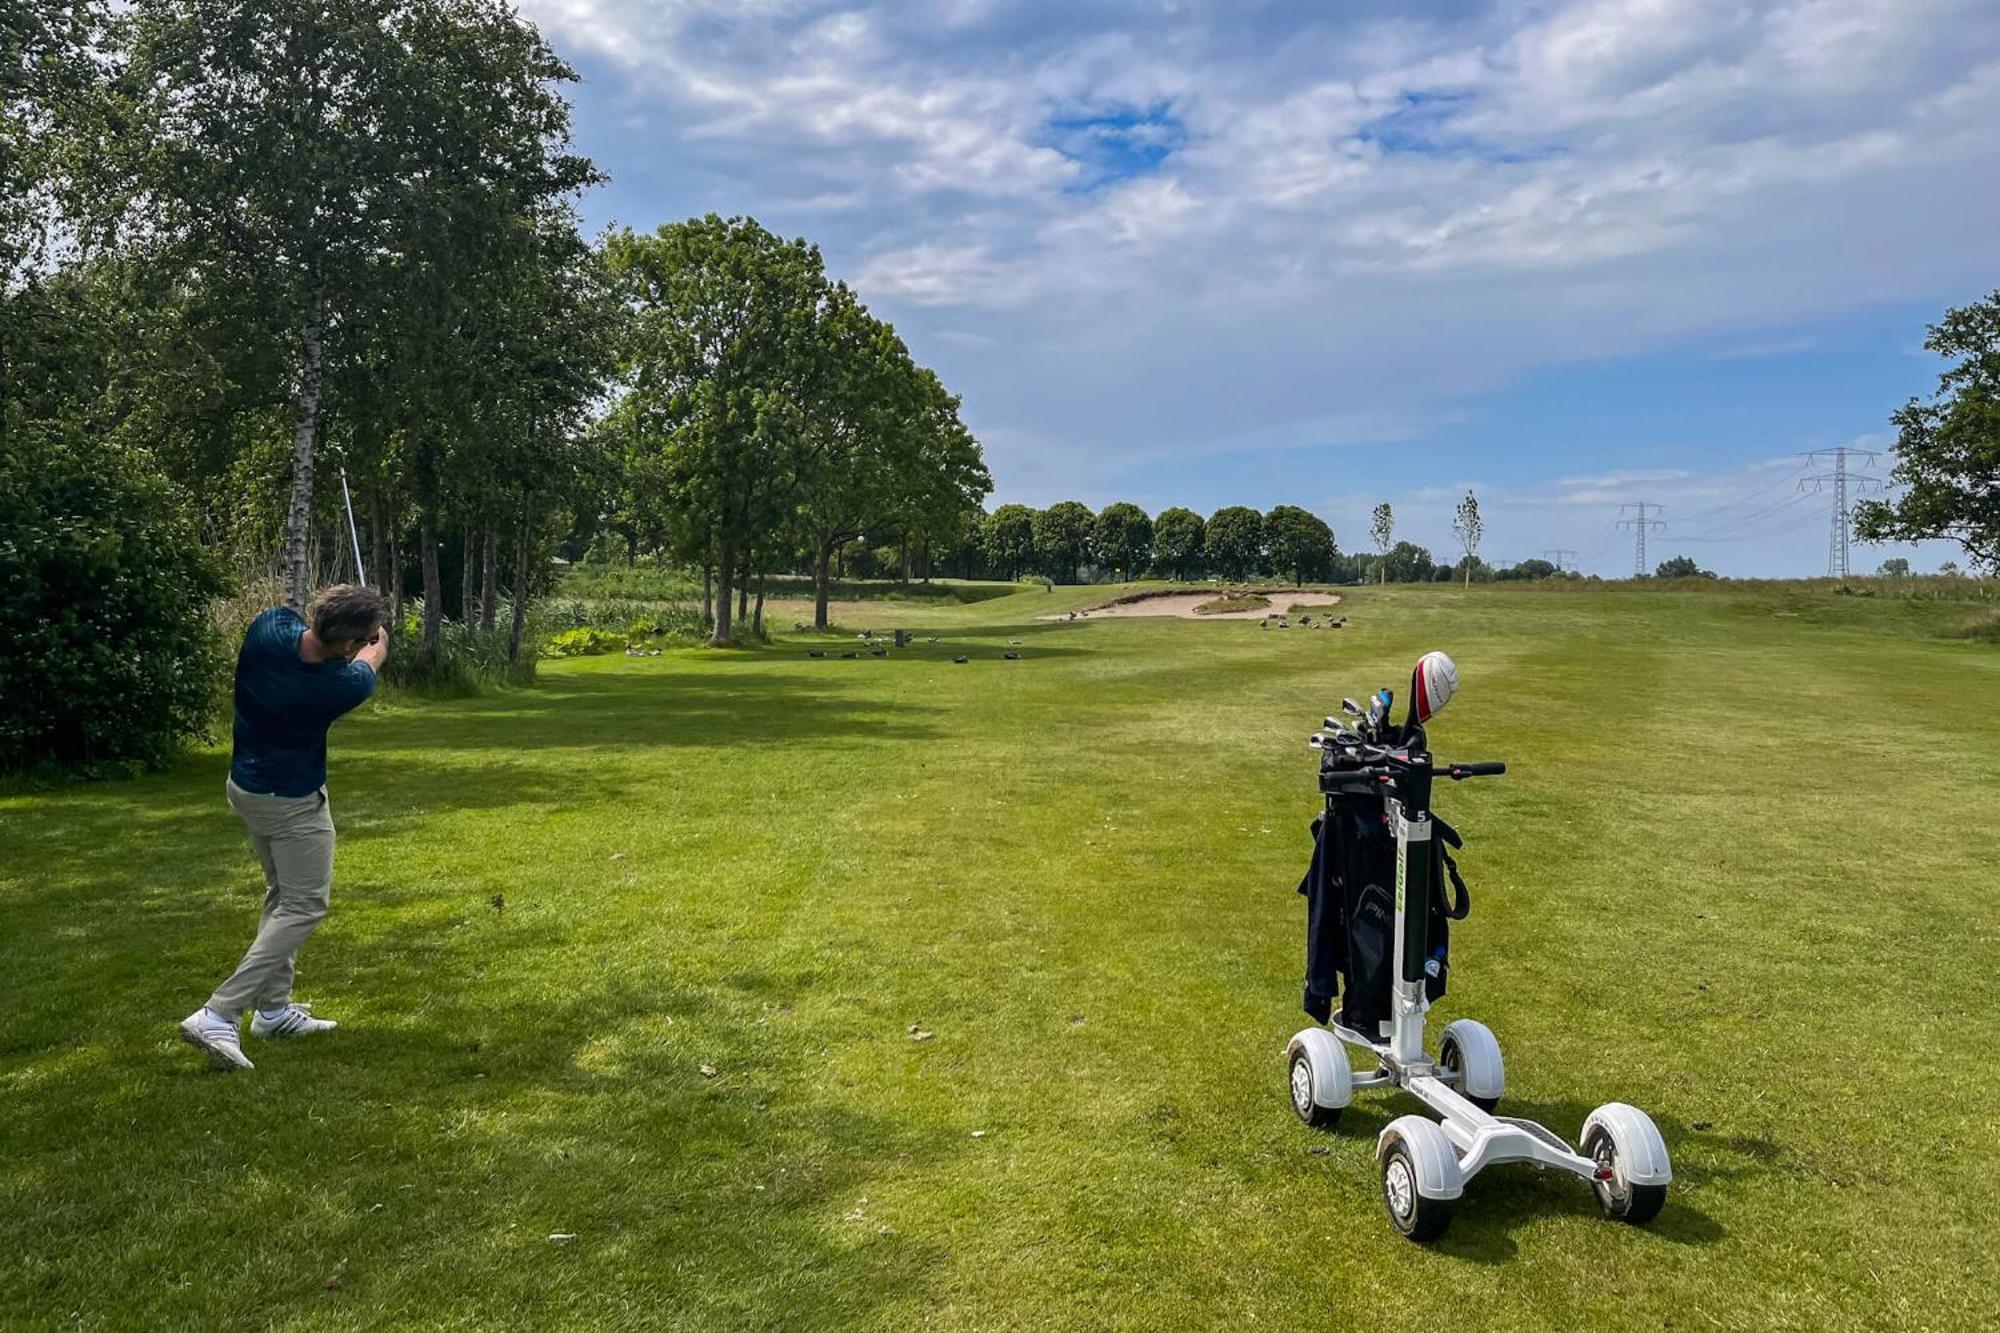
293	836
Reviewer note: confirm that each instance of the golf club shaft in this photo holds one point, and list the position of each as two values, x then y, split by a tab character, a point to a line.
353	533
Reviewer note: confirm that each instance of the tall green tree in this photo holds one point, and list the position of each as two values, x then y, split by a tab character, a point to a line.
1299	543
1382	529
305	153
1007	537
858	421
941	494
1406	562
1177	540
722	333
1062	539
1468	528
1948	449
1121	539
1234	541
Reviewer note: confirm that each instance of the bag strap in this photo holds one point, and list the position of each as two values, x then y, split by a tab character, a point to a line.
1454	912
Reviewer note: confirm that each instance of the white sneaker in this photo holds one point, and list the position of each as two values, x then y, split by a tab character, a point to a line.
294	1020
216	1035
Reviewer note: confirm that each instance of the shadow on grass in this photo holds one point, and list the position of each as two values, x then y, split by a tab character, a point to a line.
125	841
419	1166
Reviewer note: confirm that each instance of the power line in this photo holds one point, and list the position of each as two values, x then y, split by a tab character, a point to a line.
1708	516
1559	552
1747	525
1639	526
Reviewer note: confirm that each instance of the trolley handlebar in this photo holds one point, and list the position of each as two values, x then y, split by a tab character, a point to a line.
1458	772
1378	772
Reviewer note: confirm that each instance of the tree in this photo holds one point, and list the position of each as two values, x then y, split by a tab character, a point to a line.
1949	569
938	496
292	155
1382	527
1234	542
860	422
1121	539
1407	562
1682	567
1177	540
1526	571
1008	538
1062	538
723	322
1896	567
1467	526
1948	449
1299	543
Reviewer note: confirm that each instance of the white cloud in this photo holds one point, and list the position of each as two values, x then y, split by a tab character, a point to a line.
1362	215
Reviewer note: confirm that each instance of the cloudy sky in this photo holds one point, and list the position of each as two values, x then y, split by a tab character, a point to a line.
1568	253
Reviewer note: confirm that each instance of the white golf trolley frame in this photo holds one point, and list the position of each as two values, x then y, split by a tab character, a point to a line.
1425	1164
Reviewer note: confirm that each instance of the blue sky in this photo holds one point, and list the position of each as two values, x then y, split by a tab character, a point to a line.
1567	253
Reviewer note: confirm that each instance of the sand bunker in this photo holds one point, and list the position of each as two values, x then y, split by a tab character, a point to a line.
1182	605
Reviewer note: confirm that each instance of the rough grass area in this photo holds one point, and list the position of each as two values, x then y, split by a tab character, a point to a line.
636	956
1241	601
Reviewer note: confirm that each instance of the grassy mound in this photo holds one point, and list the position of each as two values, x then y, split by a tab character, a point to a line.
1235	601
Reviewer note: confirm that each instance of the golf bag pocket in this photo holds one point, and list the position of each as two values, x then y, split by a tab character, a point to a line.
1371	945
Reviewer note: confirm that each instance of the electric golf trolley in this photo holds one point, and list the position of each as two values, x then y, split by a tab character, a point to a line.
1377	934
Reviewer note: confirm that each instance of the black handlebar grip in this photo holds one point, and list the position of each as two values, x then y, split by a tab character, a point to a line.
1488	770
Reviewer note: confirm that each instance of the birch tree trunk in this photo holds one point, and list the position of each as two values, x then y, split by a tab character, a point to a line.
433	583
298	517
395	574
378	542
489	582
521	584
468	576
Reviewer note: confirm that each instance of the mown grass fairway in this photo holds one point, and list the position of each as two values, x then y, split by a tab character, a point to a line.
1740	874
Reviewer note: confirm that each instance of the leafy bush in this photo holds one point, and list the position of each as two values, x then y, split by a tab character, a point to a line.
681	621
644	581
467	658
107	655
586	641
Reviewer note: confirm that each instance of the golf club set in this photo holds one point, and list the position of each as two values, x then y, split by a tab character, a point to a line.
1377	937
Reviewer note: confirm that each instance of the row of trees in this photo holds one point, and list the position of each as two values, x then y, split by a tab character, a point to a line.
1121	541
1066	542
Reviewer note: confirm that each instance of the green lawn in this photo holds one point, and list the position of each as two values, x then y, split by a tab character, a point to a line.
1740	873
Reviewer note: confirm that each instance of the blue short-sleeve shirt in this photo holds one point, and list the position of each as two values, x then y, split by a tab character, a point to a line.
284	706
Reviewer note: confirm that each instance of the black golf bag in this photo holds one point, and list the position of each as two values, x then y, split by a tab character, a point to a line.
1350	892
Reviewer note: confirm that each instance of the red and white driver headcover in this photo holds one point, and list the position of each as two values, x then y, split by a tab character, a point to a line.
1432	684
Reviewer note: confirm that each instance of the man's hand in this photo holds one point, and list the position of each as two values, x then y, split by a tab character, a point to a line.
376	652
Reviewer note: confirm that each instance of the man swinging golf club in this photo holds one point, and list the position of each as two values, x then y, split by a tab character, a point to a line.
293	680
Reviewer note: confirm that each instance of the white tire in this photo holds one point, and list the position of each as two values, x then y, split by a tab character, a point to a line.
1624	1141
1319	1078
1421	1183
1469	1049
